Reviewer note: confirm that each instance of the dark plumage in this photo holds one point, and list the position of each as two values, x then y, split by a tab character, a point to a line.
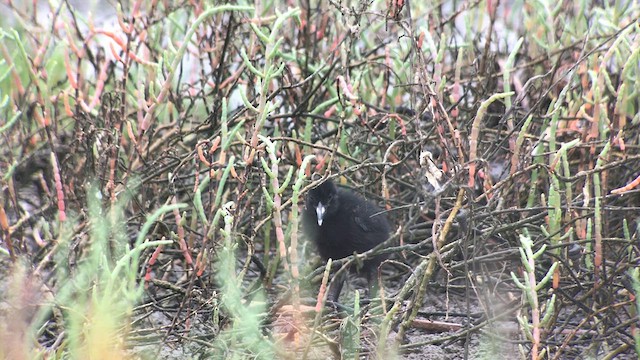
340	223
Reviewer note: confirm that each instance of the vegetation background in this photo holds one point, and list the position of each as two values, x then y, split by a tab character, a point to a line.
154	156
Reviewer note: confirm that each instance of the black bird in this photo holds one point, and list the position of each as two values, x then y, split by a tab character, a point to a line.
340	223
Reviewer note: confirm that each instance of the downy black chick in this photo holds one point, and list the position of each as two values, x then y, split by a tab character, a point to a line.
340	222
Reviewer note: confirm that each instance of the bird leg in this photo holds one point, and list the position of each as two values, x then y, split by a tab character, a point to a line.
372	281
336	286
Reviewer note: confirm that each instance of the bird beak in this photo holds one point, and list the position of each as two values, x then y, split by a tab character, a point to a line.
320	210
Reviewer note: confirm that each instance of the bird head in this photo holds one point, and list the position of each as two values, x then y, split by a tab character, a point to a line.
323	199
